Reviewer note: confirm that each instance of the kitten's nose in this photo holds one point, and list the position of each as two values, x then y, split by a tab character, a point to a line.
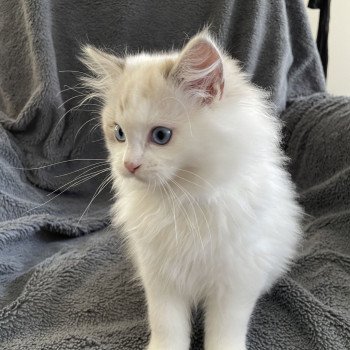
132	167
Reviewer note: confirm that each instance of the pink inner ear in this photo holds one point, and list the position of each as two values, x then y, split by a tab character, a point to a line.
202	70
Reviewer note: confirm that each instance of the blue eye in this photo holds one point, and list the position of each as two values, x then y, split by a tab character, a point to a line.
161	135
119	133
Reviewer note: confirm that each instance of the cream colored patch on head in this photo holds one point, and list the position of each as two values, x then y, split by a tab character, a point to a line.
140	92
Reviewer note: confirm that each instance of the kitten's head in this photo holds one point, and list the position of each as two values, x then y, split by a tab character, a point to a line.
159	116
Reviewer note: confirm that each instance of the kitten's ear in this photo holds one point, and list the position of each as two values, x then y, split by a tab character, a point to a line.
199	69
104	67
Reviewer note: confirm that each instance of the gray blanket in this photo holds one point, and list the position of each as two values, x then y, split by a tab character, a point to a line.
65	282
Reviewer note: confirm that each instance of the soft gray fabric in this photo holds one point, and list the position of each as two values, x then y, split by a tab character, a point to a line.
78	293
60	289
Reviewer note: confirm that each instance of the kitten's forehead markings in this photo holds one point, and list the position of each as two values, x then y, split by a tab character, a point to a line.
122	105
182	105
135	92
124	101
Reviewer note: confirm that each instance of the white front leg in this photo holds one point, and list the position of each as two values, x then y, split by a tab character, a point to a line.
227	319
169	318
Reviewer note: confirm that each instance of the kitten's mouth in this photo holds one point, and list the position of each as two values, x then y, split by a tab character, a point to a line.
136	176
142	176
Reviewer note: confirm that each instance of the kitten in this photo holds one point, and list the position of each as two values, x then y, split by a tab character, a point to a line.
203	199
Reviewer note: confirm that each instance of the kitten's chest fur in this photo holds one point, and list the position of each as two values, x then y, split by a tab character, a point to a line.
188	243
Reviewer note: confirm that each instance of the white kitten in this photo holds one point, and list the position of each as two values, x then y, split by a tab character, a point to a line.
205	204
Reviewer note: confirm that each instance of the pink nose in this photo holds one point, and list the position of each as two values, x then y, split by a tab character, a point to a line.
132	167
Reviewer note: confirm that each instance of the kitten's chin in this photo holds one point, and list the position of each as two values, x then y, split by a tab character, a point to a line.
138	177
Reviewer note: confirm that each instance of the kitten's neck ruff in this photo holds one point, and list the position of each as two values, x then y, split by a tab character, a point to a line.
170	211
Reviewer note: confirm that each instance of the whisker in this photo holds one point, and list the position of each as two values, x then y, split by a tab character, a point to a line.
67	88
78	178
183	209
191	182
200	177
145	195
88	166
72	98
94	128
77	107
94	104
98	140
189	196
83	178
102	186
51	199
143	218
74	71
82	126
57	163
67	112
162	183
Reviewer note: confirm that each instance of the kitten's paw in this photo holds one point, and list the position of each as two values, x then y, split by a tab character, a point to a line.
170	346
219	347
155	347
151	347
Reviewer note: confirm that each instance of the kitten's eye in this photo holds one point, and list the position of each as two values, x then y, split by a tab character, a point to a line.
119	133
161	135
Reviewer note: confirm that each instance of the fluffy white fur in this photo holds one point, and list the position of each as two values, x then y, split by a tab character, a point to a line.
210	216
